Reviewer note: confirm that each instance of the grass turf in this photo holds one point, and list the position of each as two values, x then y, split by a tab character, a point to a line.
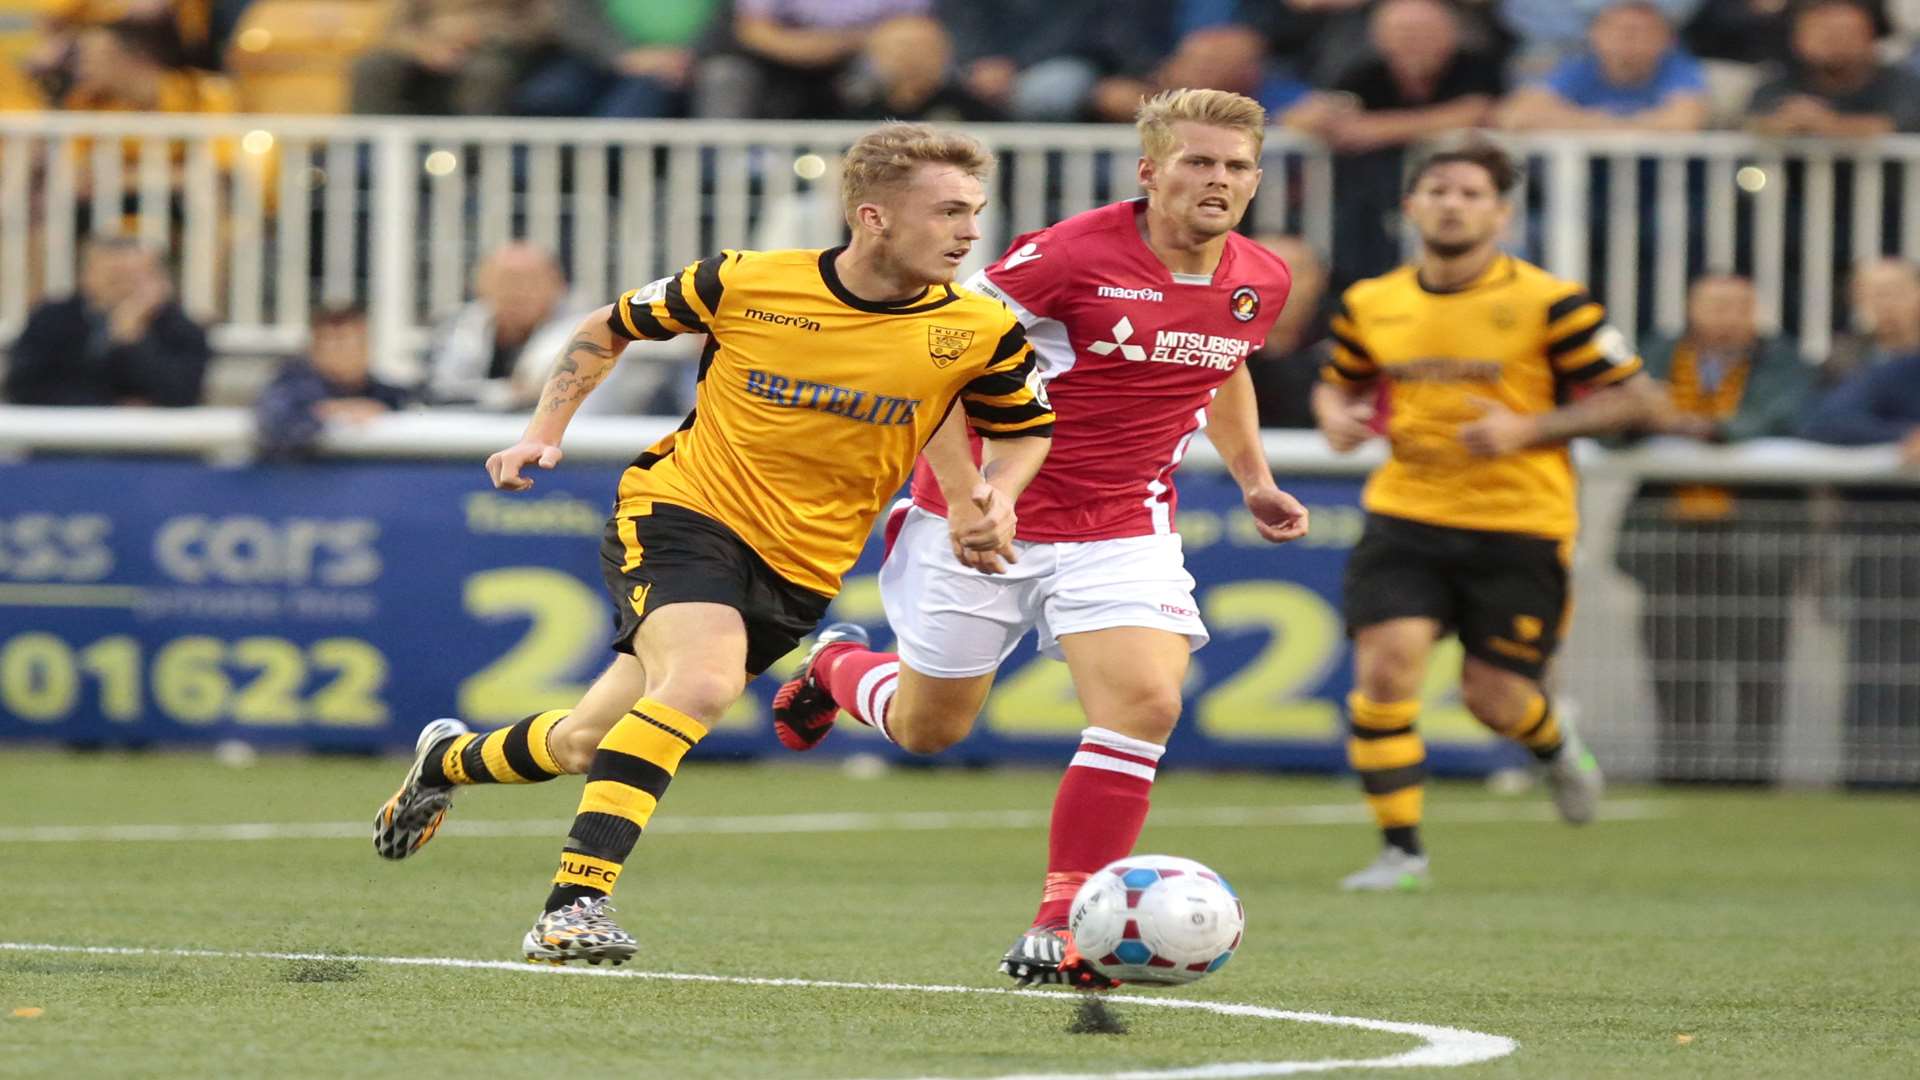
1732	934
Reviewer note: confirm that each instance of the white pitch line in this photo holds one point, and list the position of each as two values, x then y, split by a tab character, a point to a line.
1482	813
1443	1046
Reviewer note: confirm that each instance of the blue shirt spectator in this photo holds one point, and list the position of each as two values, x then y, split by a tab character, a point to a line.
1878	405
1632	76
1556	28
1583	82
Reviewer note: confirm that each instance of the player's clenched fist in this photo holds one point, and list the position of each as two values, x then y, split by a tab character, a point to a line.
504	467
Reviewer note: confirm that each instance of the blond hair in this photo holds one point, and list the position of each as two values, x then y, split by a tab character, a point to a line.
1214	108
886	156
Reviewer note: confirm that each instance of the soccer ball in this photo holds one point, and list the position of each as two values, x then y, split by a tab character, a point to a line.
1156	919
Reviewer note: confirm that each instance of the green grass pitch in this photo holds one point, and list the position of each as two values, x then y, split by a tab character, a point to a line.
1708	933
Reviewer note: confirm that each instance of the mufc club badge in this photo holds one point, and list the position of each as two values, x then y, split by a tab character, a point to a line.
1246	303
945	345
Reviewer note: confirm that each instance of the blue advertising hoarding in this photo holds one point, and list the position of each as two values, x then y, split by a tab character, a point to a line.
342	605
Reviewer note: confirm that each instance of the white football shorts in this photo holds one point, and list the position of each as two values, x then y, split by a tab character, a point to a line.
953	622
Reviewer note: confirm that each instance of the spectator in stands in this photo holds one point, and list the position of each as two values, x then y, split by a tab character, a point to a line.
451	57
1885	295
1836	85
1231	56
330	386
495	352
191	33
120	340
1755	31
1716	580
1551	32
1057	60
787	59
906	73
619	58
1418	83
1633	77
1288	364
1881	536
133	67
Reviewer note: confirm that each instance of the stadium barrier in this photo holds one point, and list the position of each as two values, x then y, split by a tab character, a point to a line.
266	214
158	587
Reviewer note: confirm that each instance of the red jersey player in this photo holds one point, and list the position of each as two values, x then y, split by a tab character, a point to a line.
1142	315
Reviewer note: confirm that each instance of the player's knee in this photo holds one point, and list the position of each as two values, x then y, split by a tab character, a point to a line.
1388	670
704	694
1150	714
927	731
1495	698
1390	677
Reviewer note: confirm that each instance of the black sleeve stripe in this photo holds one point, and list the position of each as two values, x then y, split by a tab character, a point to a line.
617	322
681	311
997	384
1351	345
1037	431
1357	374
1003	414
650	328
1590	372
1574	340
1010	343
706	358
1563	308
706	283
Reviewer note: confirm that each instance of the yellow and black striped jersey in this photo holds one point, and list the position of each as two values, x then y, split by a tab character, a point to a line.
1516	335
813	403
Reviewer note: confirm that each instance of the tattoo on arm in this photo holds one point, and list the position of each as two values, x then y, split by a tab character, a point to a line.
569	383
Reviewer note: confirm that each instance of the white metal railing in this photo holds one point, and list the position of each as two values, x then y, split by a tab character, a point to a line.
265	214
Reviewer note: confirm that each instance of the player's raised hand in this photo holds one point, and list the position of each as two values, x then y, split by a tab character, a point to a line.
1347	425
1499	430
504	467
1279	516
982	531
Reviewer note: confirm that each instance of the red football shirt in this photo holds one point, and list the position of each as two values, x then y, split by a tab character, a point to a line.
1131	356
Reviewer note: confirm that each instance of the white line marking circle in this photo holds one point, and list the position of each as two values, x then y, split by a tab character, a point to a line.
1444	1046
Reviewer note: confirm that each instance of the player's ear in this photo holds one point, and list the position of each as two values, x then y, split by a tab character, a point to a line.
1146	172
872	217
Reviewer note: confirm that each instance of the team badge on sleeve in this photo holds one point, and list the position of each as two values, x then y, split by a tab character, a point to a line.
1246	303
945	345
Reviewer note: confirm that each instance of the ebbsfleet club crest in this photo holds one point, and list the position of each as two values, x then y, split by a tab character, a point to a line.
945	345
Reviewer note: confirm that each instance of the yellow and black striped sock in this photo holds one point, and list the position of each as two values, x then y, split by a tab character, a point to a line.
516	754
630	772
1391	759
1540	731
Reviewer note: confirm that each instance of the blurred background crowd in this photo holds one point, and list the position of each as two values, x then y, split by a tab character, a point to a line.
1364	77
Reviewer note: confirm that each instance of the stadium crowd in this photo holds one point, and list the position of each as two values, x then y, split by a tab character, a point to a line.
1367	77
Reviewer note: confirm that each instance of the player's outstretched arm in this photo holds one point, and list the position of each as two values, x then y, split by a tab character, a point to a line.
586	360
1233	425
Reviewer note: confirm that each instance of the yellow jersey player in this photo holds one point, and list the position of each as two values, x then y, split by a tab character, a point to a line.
824	374
1492	364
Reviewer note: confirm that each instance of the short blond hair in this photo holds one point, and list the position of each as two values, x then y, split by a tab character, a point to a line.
1214	108
886	156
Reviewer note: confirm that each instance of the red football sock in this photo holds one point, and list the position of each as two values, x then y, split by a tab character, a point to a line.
861	681
1097	814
